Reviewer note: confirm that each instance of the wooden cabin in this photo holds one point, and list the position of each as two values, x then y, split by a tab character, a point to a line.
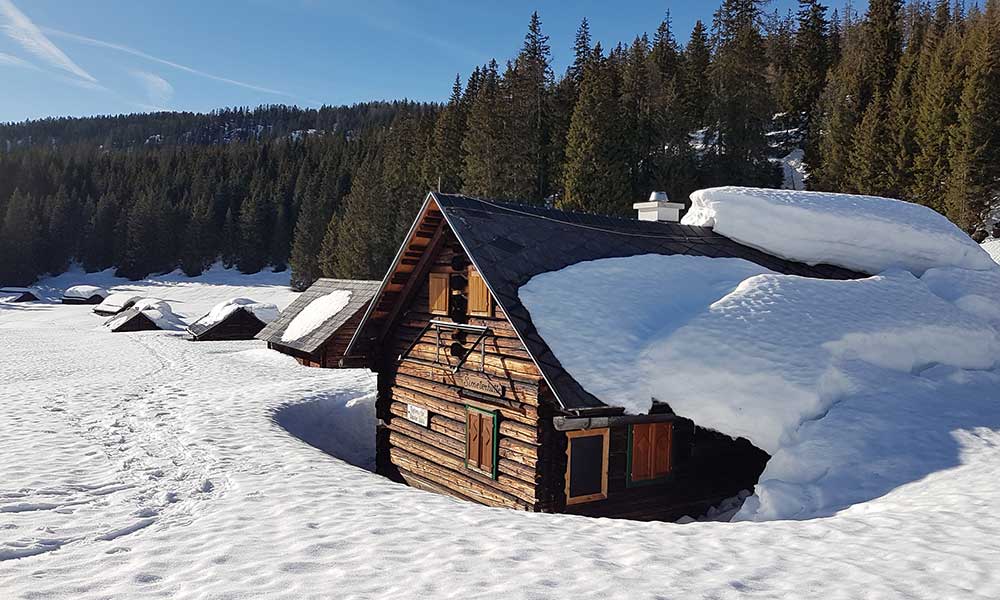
131	320
18	295
147	314
471	401
326	344
233	322
84	294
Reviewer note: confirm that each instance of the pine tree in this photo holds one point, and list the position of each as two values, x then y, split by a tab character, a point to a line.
528	119
974	187
741	105
935	116
198	250
444	159
697	87
884	41
254	232
20	240
482	173
870	158
811	58
596	174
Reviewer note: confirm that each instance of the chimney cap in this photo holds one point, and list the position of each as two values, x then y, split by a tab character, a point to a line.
658	197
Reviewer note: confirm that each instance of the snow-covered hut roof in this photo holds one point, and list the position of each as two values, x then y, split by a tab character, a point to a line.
511	243
116	303
155	311
84	292
317	313
262	311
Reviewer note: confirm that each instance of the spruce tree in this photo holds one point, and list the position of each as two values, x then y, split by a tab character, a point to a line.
596	173
444	158
20	241
697	87
974	186
482	173
870	157
811	59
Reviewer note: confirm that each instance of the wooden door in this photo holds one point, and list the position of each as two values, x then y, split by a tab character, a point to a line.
650	451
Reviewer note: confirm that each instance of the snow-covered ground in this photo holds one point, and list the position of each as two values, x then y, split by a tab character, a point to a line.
144	465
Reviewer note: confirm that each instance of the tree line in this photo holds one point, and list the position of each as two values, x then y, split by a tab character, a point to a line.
902	101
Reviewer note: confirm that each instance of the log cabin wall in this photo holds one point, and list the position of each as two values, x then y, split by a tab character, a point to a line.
502	380
336	347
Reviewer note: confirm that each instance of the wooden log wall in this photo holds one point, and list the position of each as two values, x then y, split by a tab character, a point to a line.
336	347
503	378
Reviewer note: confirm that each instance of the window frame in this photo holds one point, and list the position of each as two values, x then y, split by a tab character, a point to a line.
629	482
605	433
495	415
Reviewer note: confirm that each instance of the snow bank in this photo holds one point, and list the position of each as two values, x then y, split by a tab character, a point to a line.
117	302
264	311
864	233
992	247
315	314
757	355
85	291
158	311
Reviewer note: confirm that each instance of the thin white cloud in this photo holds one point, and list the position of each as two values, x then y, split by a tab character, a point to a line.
21	29
158	89
178	66
8	60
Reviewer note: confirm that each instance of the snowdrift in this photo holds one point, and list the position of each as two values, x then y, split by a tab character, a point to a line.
759	355
84	291
864	233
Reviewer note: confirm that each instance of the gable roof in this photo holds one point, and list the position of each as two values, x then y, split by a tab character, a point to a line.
511	243
362	291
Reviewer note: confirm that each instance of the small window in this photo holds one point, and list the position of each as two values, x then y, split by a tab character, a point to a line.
649	457
482	441
587	466
480	300
438	291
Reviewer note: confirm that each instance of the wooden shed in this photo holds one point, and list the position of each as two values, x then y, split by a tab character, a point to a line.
18	295
147	314
324	341
237	319
472	402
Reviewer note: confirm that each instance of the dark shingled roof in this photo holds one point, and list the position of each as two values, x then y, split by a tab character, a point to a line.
202	326
510	243
361	292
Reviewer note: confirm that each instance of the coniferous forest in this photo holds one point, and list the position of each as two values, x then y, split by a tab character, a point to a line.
901	101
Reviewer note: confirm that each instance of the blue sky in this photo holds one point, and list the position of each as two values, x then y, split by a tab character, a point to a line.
67	57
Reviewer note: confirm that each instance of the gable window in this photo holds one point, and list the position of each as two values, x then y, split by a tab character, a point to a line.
438	292
649	452
482	440
480	300
587	465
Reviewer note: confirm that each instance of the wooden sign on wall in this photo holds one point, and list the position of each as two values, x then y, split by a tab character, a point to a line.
479	382
417	414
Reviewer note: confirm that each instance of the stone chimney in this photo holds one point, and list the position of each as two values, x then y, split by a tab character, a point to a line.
659	208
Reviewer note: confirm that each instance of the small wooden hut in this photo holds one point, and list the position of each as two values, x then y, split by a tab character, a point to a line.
84	294
237	319
116	303
18	294
147	314
473	403
325	336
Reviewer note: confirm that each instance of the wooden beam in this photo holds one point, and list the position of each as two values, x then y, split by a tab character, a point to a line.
412	285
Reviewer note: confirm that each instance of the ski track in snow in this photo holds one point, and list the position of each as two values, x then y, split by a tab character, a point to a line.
146	465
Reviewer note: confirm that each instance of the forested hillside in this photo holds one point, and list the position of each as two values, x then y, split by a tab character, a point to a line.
902	101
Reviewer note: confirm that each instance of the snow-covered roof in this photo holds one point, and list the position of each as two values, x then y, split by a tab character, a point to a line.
85	291
751	353
992	247
155	310
116	302
864	233
316	315
263	311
